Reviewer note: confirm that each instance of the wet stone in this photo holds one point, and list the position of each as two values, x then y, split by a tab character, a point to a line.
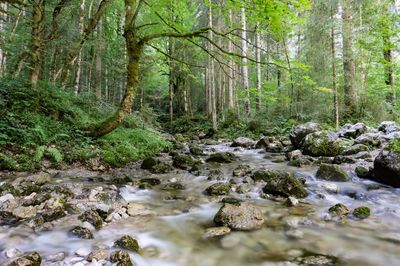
339	210
362	212
99	254
128	242
81	232
93	218
32	259
214	232
242	216
218	189
332	172
121	258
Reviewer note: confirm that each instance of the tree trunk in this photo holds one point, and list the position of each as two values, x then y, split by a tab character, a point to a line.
335	91
212	93
231	97
81	28
3	18
350	89
389	75
134	51
245	69
258	59
171	81
98	66
36	46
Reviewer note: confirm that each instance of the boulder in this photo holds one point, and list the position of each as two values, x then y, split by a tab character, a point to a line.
81	232
369	139
332	172
362	171
218	189
339	210
362	212
280	183
185	162
325	143
388	127
241	216
196	150
355	149
93	218
98	254
221	157
243	142
128	242
241	170
294	155
353	131
121	258
387	165
299	133
32	259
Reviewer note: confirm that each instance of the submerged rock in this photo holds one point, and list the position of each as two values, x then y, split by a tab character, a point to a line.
146	183
81	232
128	242
243	142
313	259
221	157
362	212
241	216
32	259
281	183
196	150
155	166
332	172
299	133
98	254
218	189
216	232
121	258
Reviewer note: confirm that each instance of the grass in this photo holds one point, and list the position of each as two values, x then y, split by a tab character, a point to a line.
48	124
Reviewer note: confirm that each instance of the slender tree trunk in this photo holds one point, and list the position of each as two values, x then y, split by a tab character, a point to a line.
350	88
231	97
185	97
258	59
81	28
212	93
98	66
291	95
171	85
245	69
389	74
36	46
335	90
3	19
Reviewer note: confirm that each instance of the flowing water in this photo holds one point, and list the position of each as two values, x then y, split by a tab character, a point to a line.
172	234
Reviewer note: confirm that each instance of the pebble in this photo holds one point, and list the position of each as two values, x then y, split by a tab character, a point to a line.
82	252
330	187
13	253
56	257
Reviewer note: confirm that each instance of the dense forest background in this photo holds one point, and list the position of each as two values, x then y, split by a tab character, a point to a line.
87	79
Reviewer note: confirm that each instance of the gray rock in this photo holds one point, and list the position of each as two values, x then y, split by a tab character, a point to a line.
299	133
243	142
241	216
216	232
332	172
325	143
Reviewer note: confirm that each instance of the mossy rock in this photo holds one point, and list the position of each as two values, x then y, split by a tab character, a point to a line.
28	188
280	183
325	143
299	132
331	172
121	258
339	210
145	183
221	157
300	162
196	150
54	214
33	259
174	186
148	163
128	242
362	171
315	259
7	163
9	188
362	212
185	162
81	232
93	218
242	216
241	170
218	189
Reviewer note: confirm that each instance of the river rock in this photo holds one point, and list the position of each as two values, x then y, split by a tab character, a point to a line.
216	232
241	216
243	142
362	171
294	155
32	259
6	188
325	143
362	212
355	149
280	183
127	242
332	172
387	165
242	170
369	139
185	162
299	132
329	187
121	258
196	150
93	218
12	253
221	157
313	259
388	127
25	212
81	232
98	254
339	210
353	131
218	189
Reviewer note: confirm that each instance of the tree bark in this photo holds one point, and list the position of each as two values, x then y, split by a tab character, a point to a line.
258	59
350	88
231	65
171	82
3	18
335	91
98	64
36	45
212	93
81	28
245	69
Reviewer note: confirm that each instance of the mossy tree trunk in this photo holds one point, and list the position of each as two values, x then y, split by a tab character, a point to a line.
36	46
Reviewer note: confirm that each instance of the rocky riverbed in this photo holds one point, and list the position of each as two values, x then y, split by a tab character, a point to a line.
304	200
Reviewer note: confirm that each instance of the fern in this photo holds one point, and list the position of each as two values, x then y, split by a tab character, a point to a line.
55	154
39	153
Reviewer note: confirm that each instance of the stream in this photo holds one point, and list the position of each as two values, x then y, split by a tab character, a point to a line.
170	225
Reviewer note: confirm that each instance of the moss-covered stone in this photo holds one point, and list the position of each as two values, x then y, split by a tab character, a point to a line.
146	183
33	259
161	168
300	162
7	163
128	242
362	212
339	210
121	258
184	162
221	157
315	259
240	216
93	218
8	188
299	132
196	150
173	186
81	232
362	171
332	172
280	183
325	143
218	189
241	170
148	163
